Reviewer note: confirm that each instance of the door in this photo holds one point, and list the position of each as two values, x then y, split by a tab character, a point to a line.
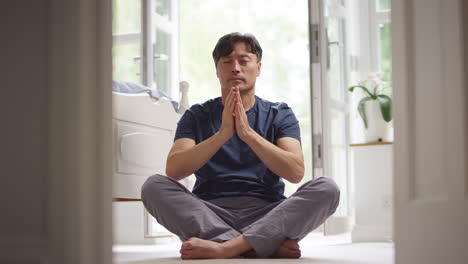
330	102
431	173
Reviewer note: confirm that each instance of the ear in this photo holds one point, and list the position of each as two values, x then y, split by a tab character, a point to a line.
217	72
259	67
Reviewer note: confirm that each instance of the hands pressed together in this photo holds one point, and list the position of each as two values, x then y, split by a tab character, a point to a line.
234	117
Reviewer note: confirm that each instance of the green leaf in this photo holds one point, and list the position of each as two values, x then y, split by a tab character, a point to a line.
385	106
351	89
375	91
362	109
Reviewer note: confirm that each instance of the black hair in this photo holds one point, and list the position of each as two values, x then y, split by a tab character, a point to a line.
226	43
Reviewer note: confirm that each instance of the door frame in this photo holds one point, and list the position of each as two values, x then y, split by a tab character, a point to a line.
431	124
79	206
80	182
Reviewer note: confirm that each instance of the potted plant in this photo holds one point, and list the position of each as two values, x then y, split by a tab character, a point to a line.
375	109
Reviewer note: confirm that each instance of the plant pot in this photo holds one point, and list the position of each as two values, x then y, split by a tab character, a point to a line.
377	129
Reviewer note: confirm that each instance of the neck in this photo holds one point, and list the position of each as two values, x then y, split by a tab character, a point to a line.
248	100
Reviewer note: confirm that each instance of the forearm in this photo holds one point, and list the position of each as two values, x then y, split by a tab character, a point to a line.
283	163
181	164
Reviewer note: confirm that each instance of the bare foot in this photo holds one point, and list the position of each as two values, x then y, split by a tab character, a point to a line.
250	254
196	248
289	249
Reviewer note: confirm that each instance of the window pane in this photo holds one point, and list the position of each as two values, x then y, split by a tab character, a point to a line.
334	60
281	27
386	55
126	16
338	155
126	63
163	8
162	61
383	5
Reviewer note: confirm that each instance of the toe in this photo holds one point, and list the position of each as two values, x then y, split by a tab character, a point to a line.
187	245
292	244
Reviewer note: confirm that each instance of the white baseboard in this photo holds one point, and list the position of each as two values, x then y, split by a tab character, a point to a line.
337	224
362	233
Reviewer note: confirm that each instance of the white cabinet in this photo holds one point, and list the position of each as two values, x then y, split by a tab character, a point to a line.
373	192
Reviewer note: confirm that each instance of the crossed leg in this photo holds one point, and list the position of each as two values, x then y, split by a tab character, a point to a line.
274	235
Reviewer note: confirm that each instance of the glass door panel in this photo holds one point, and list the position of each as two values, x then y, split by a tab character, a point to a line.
334	62
126	62
126	16
335	110
127	49
162	62
338	151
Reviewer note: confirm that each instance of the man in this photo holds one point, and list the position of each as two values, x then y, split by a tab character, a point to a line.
239	146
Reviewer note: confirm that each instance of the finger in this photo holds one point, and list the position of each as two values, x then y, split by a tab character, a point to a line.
228	100
240	106
233	108
232	98
243	115
238	95
239	114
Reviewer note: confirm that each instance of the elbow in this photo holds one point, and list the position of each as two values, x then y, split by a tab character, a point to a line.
297	175
172	172
297	178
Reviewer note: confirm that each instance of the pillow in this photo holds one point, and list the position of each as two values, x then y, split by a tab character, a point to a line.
129	87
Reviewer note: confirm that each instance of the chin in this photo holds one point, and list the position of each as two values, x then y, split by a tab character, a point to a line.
244	88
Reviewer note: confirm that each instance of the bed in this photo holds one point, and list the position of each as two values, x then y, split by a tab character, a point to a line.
144	124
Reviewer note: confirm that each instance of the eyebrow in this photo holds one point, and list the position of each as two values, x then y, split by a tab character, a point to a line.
241	56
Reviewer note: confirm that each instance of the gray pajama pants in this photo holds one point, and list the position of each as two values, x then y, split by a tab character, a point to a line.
264	224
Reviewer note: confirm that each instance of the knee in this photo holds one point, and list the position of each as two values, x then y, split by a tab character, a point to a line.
330	190
152	186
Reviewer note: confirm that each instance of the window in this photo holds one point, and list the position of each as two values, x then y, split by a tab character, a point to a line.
145	36
382	40
127	48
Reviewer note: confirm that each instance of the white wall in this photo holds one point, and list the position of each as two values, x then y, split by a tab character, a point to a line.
25	129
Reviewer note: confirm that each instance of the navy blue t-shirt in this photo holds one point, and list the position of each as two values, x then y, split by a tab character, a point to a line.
235	170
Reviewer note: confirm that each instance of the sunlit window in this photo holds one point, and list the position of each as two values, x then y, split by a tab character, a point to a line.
383	42
145	44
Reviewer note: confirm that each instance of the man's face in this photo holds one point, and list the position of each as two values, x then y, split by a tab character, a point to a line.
240	68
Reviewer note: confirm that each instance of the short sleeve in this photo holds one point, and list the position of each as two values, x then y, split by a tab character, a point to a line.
288	125
186	126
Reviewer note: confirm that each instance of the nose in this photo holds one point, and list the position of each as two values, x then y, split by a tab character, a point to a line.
235	67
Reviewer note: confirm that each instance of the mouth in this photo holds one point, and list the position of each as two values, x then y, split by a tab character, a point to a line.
236	79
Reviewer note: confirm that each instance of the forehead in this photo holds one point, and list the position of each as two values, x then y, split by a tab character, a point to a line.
241	49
